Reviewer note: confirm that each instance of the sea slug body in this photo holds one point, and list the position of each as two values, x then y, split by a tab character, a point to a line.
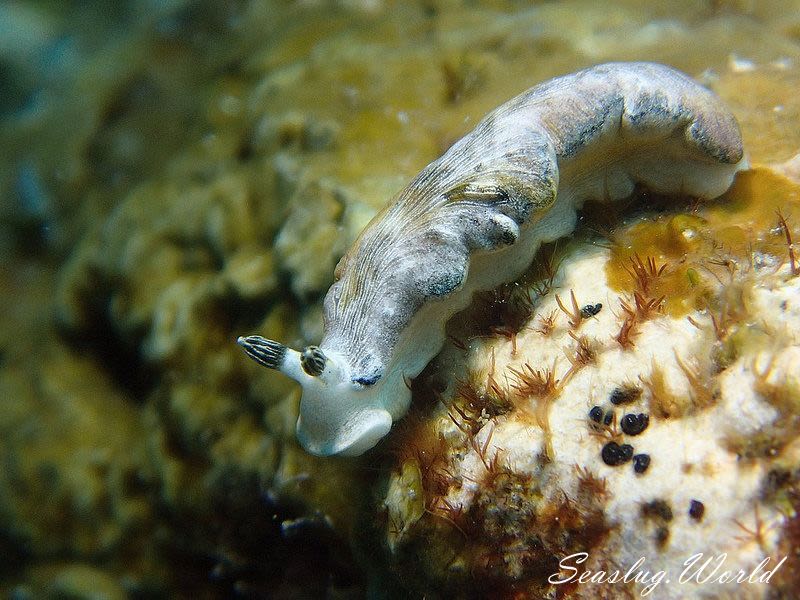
474	219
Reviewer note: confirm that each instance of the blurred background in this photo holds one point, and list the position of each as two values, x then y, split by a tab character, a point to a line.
176	173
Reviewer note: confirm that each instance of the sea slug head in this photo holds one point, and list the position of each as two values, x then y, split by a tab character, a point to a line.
337	415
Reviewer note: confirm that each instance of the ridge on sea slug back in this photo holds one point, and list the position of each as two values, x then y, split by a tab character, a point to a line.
474	219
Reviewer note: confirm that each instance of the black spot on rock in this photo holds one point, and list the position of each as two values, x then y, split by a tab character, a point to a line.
634	424
641	462
624	395
696	510
613	454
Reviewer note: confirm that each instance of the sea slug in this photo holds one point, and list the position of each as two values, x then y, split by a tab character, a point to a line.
474	219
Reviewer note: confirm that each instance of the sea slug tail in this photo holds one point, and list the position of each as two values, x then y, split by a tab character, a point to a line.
715	132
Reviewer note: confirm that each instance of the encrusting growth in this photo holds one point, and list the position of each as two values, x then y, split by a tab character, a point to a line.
663	445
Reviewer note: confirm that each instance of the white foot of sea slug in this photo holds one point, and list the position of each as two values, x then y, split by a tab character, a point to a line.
474	218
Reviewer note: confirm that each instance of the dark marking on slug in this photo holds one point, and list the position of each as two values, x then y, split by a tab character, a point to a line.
724	150
442	286
372	380
651	109
267	353
313	360
585	131
477	192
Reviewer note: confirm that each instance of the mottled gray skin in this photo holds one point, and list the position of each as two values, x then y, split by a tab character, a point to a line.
474	219
418	249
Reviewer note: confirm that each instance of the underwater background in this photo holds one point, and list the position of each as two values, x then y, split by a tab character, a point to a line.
177	173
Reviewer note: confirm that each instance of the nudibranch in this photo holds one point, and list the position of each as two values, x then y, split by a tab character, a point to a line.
474	219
